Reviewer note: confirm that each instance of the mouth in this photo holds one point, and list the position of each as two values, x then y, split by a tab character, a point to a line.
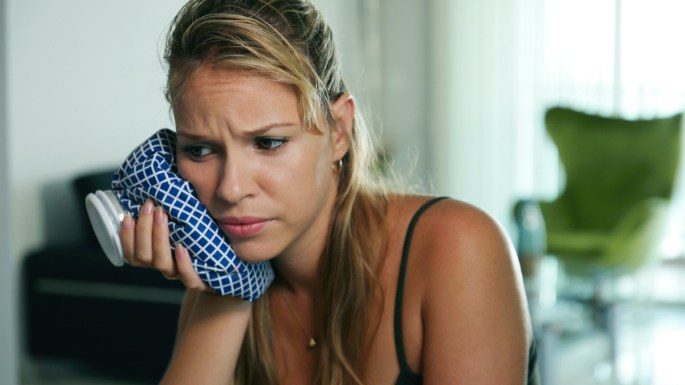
243	227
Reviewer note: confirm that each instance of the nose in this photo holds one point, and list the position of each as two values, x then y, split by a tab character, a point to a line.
236	181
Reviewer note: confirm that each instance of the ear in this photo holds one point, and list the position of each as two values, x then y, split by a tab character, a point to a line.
342	110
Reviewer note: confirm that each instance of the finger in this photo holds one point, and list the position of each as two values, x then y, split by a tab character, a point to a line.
143	247
186	272
161	249
127	238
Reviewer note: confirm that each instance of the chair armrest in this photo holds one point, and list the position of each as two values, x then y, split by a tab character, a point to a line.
637	237
532	238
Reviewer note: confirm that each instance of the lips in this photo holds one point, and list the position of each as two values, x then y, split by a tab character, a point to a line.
243	227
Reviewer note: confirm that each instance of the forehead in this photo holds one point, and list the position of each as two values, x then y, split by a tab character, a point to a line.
246	96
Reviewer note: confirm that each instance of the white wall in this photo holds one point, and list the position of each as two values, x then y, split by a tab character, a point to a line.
384	47
9	373
405	89
84	86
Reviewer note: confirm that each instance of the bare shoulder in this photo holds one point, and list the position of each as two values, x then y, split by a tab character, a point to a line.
460	243
458	230
473	304
453	240
453	231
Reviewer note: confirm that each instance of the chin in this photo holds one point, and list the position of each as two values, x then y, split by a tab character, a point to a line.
252	252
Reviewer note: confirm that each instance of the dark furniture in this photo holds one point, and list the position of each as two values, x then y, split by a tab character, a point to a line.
120	322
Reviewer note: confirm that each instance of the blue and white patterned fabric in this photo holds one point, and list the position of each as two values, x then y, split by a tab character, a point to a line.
150	172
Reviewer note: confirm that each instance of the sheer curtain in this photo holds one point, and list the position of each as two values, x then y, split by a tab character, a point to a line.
497	64
616	57
485	105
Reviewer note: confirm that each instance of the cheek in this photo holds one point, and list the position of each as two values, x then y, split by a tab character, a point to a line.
295	180
199	175
309	175
184	168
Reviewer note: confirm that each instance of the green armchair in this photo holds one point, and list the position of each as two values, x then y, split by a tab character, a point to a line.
620	175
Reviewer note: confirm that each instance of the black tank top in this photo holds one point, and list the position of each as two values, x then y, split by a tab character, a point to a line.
407	376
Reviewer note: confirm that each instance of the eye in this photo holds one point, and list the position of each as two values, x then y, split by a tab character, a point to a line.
197	151
268	143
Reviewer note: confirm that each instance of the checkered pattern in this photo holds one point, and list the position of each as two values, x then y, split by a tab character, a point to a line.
150	172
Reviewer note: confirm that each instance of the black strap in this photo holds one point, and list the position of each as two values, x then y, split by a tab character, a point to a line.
399	344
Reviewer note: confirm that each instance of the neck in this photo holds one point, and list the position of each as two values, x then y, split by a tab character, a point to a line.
298	268
299	275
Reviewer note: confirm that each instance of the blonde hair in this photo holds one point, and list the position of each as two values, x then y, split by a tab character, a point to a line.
289	42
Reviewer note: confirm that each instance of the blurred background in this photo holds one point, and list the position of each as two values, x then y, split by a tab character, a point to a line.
559	118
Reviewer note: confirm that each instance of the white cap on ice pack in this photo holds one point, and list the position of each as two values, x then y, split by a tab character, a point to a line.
105	213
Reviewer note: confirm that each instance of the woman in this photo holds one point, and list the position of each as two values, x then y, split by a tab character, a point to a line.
371	287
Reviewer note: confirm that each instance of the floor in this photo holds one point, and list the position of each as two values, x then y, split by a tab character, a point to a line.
649	348
650	354
649	324
47	372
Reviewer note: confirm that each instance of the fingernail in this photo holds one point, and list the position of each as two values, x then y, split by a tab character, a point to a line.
159	215
147	207
127	222
179	251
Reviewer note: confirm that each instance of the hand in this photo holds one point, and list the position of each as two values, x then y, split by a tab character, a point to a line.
146	244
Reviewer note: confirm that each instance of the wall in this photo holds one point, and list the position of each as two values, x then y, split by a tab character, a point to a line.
82	98
405	92
9	373
84	86
384	50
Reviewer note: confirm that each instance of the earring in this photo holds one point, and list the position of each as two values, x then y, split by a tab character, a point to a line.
337	166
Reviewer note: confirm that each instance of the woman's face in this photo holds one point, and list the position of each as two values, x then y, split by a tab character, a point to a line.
269	183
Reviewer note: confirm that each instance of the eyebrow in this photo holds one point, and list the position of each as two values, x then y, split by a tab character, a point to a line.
261	130
255	132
